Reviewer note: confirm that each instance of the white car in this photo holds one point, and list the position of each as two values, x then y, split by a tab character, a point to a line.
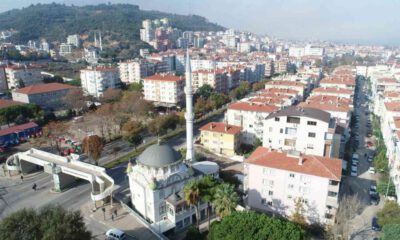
372	190
371	170
370	158
115	234
353	172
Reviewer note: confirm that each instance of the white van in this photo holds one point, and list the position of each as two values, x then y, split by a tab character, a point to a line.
115	234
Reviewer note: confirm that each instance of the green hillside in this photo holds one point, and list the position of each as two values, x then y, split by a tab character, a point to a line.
119	22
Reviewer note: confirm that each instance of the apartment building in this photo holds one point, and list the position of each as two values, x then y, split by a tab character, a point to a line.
96	80
308	130
275	180
300	87
333	91
249	116
48	96
164	89
220	138
217	79
19	76
65	49
134	71
3	79
74	40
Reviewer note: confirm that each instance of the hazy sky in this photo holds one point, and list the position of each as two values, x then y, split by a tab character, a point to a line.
358	21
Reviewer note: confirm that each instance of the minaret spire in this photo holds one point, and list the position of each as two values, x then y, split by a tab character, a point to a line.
189	110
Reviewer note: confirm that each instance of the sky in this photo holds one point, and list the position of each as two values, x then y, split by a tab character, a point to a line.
354	21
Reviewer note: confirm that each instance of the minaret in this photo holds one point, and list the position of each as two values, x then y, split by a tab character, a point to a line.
189	110
101	41
95	38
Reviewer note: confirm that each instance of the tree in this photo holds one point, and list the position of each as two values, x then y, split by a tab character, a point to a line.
160	124
217	100
389	214
258	86
298	214
381	162
225	200
93	146
75	99
135	87
391	231
208	185
111	95
251	225
50	222
54	131
383	188
349	207
204	91
193	234
192	197
132	132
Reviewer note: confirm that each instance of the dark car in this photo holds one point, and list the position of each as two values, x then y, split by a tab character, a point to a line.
374	199
374	225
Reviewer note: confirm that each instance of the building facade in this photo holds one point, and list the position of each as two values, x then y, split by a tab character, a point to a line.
220	138
164	89
96	80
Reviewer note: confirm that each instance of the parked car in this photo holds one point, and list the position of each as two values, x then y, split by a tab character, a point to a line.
372	190
370	158
374	225
374	199
115	234
353	172
371	170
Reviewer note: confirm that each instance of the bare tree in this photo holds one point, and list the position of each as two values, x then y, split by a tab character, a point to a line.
111	95
54	131
93	146
349	207
75	99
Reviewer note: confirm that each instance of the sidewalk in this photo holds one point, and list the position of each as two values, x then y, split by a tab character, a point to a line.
123	221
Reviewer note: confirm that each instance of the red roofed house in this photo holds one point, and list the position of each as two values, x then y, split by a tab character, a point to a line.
249	117
275	180
220	138
164	89
45	95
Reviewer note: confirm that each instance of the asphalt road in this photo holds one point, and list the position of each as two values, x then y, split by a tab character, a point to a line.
361	224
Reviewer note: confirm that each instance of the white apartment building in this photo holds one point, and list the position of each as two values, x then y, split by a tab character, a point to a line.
300	87
274	180
134	71
307	130
65	49
74	40
296	52
201	64
22	76
96	80
311	50
333	91
164	89
249	117
3	80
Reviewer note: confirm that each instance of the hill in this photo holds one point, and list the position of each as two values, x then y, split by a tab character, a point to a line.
118	22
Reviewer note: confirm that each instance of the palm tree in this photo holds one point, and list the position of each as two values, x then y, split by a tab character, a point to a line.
208	185
192	197
225	200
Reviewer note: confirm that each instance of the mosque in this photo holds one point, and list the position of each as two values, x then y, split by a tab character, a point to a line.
157	180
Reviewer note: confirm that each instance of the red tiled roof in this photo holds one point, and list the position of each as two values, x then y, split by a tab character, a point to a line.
387	80
333	90
392	94
396	121
164	78
8	103
17	128
325	106
285	83
42	88
220	128
328	98
330	168
392	106
246	106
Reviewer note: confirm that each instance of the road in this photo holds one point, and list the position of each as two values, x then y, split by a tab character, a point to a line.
361	224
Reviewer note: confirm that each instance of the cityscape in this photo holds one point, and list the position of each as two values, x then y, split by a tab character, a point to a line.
124	123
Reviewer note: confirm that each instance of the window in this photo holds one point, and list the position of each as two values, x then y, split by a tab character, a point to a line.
270	193
291	131
281	130
333	182
263	201
312	123
163	209
332	194
290	186
187	221
293	120
270	129
289	197
290	142
276	119
310	146
311	134
179	224
291	175
269	203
